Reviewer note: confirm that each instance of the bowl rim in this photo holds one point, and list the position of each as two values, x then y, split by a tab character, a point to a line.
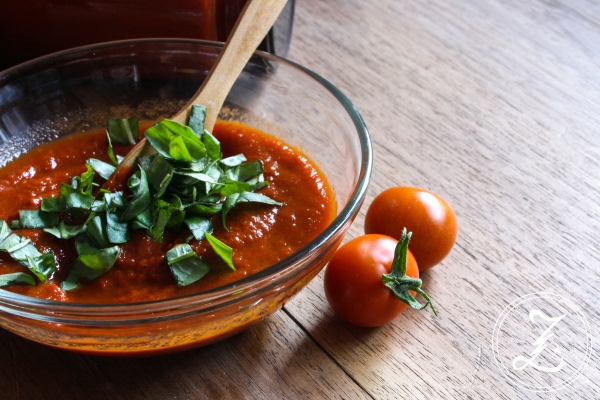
18	304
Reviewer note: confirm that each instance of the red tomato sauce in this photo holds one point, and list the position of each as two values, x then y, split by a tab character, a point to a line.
260	234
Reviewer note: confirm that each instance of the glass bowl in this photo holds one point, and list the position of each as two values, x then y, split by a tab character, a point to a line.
76	90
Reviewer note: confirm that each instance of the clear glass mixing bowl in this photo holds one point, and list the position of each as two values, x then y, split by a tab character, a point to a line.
76	90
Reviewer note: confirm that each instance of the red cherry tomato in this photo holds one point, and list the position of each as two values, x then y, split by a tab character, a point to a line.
354	286
429	217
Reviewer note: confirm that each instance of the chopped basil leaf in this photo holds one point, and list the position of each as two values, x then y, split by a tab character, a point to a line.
222	250
204	209
143	220
161	219
175	207
91	263
78	204
176	141
111	153
246	197
37	219
16	278
197	119
53	204
233	187
25	253
185	265
233	161
4	230
141	199
199	226
197	176
116	231
212	145
123	130
115	201
42	265
84	184
104	169
159	173
249	170
96	231
63	231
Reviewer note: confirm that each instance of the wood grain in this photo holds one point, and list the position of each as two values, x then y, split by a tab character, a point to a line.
495	105
272	360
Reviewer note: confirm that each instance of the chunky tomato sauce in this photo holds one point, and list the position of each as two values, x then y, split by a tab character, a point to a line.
260	234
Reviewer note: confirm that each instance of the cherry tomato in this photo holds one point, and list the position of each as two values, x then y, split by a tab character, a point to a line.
355	280
429	217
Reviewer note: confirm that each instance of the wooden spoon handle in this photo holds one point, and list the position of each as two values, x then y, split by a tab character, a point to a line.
254	22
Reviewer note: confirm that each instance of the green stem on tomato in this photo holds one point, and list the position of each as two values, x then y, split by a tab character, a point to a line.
401	284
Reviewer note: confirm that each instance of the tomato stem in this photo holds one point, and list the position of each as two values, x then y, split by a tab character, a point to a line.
401	284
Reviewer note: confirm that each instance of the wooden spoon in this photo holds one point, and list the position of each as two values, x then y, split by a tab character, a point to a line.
253	24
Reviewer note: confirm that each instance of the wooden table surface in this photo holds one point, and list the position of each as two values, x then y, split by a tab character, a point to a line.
495	105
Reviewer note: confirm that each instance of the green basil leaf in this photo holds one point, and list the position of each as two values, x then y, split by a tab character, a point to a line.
14	243
214	171
245	197
144	220
84	184
159	174
195	166
96	231
251	197
53	204
250	170
91	263
161	219
222	250
115	201
204	209
16	278
104	169
197	118
116	231
212	145
5	230
233	161
179	253
178	149
199	226
98	206
111	153
159	137
37	219
141	198
25	253
78	204
66	189
197	176
123	130
232	187
63	231
185	265
176	209
42	265
167	136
